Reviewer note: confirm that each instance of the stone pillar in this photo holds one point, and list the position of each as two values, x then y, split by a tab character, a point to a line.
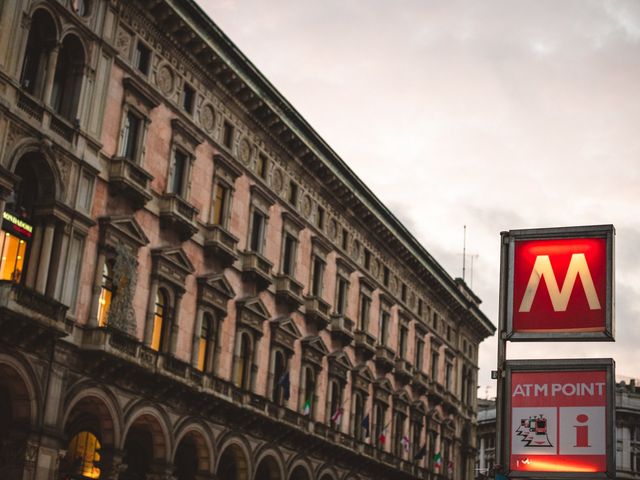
47	88
195	346
161	471
32	267
111	466
45	258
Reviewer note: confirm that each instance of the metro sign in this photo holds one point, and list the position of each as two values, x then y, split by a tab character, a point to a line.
559	283
560	418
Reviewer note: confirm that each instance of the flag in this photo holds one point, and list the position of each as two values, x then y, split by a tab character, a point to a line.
450	468
365	425
437	458
337	416
383	436
405	443
306	410
285	384
421	453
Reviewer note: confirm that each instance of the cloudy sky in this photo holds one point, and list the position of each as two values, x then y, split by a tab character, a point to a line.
494	114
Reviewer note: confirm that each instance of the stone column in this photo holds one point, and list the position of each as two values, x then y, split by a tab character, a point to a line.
32	267
47	88
45	258
195	350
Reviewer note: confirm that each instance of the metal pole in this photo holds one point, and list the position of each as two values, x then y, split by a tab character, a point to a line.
464	252
502	350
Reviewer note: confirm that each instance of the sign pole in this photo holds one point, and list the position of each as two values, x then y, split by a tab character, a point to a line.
500	373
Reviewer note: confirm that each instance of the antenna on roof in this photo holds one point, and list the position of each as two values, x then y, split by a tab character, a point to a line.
464	254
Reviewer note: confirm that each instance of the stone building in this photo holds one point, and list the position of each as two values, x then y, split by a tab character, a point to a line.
627	433
193	284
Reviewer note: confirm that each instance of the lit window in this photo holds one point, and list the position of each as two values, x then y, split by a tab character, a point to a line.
106	294
159	319
220	200
204	343
12	260
83	453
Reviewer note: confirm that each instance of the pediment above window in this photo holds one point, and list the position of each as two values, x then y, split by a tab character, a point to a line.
313	350
284	332
418	410
320	246
122	230
224	168
382	390
139	95
184	135
401	400
215	291
339	365
172	265
344	268
251	313
362	377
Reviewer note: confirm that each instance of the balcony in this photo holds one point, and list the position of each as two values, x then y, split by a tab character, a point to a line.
341	329
256	268
317	312
221	244
21	306
403	371
178	214
130	180
365	344
288	291
420	382
385	358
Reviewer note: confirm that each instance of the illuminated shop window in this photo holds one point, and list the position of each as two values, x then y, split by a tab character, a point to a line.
14	236
84	453
106	294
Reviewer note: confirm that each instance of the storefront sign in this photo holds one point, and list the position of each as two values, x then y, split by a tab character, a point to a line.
15	225
560	418
559	284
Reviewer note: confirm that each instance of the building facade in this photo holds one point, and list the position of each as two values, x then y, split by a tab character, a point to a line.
193	284
627	433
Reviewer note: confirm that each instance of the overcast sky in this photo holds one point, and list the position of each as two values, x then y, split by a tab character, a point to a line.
494	114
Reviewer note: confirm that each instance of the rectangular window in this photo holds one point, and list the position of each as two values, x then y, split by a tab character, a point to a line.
435	321
402	341
261	165
383	330
385	276
341	296
142	58
419	361
320	218
403	293
317	276
345	239
448	375
367	259
188	98
289	254
420	309
85	188
435	360
131	133
220	201
227	134
293	193
258	222
363	317
179	173
12	261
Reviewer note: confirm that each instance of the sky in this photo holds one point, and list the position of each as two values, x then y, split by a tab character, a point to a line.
494	114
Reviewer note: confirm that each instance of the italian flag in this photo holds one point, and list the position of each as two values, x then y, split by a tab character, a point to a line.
437	458
306	409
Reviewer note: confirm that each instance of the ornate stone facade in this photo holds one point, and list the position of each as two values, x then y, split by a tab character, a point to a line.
193	284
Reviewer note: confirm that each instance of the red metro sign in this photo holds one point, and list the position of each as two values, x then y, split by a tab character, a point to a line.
559	283
560	420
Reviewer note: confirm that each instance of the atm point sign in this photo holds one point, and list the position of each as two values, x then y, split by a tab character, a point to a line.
560	283
560	418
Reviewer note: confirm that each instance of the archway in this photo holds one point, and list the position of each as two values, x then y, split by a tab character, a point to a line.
192	457
268	469
67	82
233	464
40	43
300	473
17	409
144	445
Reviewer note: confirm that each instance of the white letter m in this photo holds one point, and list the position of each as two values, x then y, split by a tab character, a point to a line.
560	298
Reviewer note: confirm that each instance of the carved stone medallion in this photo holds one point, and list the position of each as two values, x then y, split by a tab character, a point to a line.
306	206
277	180
333	228
207	117
244	151
165	79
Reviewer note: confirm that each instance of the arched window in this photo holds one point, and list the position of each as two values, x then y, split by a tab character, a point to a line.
41	41
281	383
82	455
335	404
106	294
160	321
358	415
307	399
67	82
206	343
244	359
